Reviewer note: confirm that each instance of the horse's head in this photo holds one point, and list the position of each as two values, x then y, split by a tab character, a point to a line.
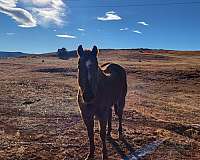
88	72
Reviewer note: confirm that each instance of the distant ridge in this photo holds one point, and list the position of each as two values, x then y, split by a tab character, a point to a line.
11	54
72	53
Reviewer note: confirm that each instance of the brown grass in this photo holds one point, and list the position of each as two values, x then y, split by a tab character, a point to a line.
39	116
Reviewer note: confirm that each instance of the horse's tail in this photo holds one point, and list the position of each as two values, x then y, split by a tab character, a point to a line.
120	102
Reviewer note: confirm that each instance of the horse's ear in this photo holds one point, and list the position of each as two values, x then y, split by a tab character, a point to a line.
95	50
80	51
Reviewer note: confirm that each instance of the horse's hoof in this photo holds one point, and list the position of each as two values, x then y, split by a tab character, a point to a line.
90	157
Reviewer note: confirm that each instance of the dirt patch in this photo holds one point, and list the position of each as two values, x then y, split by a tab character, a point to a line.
40	119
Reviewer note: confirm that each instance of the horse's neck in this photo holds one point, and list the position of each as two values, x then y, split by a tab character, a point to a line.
101	74
101	77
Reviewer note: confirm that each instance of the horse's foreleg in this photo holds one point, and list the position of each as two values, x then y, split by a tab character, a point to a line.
90	130
103	137
109	122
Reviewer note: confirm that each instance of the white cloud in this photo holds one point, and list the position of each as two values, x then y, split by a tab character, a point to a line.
136	31
37	2
45	16
81	29
48	11
8	3
143	23
10	33
21	16
34	12
123	29
111	12
110	16
65	36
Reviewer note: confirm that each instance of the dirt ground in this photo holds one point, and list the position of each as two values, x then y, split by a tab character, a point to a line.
40	119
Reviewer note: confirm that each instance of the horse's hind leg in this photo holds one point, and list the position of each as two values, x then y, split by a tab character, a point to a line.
119	107
109	122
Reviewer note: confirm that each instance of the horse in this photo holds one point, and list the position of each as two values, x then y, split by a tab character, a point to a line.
100	88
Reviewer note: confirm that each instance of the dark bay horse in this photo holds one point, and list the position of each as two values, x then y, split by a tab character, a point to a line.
100	88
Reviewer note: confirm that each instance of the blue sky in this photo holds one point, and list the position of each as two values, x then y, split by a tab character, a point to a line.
38	26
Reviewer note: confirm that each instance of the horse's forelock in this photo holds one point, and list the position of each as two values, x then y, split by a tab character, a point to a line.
87	51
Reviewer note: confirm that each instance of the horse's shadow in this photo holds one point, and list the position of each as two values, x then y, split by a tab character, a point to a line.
116	145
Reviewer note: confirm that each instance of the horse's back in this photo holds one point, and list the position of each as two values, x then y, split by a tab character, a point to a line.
117	75
113	68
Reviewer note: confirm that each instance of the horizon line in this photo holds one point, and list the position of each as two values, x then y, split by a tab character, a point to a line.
107	49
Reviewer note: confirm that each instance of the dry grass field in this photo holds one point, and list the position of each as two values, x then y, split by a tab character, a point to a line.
40	119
